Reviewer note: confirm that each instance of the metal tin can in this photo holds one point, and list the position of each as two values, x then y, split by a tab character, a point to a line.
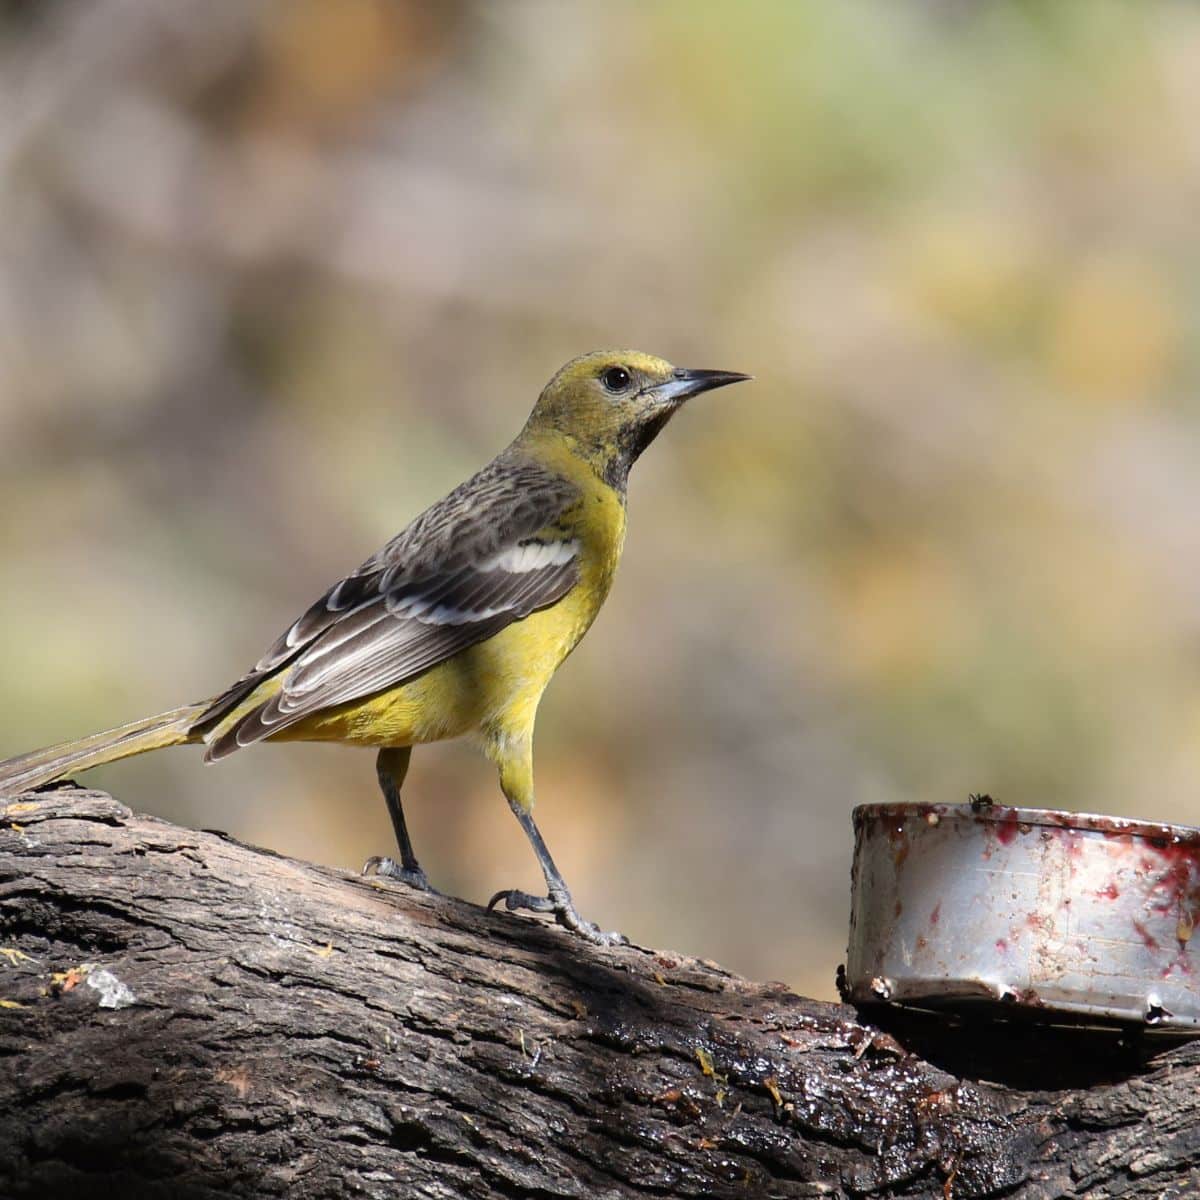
1063	915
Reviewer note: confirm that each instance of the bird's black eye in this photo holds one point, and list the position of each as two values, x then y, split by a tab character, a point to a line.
615	379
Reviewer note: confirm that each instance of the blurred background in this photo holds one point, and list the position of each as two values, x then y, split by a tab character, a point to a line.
274	276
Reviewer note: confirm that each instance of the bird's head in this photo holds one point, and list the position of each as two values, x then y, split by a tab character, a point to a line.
610	405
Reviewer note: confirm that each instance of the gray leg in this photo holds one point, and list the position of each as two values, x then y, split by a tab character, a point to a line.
558	899
391	766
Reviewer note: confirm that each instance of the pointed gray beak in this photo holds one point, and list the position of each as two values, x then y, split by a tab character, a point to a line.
684	383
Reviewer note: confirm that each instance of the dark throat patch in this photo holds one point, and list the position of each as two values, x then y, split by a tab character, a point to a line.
630	444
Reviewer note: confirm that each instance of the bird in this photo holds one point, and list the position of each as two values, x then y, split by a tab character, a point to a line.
456	626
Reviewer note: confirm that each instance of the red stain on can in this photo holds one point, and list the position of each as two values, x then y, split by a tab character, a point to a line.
1174	867
1007	828
1148	939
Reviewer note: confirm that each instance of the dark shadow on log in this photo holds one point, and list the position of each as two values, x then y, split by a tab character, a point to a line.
1020	1052
185	1016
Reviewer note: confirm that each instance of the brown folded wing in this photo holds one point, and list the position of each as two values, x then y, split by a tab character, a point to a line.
489	554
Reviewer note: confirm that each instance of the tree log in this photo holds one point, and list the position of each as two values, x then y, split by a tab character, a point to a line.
185	1016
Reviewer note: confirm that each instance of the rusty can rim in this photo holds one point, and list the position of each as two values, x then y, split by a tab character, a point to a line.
1007	815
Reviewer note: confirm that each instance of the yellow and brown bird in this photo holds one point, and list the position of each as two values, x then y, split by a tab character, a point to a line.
457	625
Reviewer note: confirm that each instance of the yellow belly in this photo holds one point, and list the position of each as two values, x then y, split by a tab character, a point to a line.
497	682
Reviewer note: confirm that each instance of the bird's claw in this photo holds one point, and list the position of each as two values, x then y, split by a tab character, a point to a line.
388	868
518	901
563	908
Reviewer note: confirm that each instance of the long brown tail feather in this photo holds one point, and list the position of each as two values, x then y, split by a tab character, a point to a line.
31	770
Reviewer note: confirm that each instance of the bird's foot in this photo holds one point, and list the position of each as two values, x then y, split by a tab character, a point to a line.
563	907
388	868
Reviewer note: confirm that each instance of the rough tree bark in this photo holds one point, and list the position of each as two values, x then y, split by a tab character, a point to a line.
183	1016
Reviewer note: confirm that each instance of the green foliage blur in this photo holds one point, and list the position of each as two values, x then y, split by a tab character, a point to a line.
274	276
